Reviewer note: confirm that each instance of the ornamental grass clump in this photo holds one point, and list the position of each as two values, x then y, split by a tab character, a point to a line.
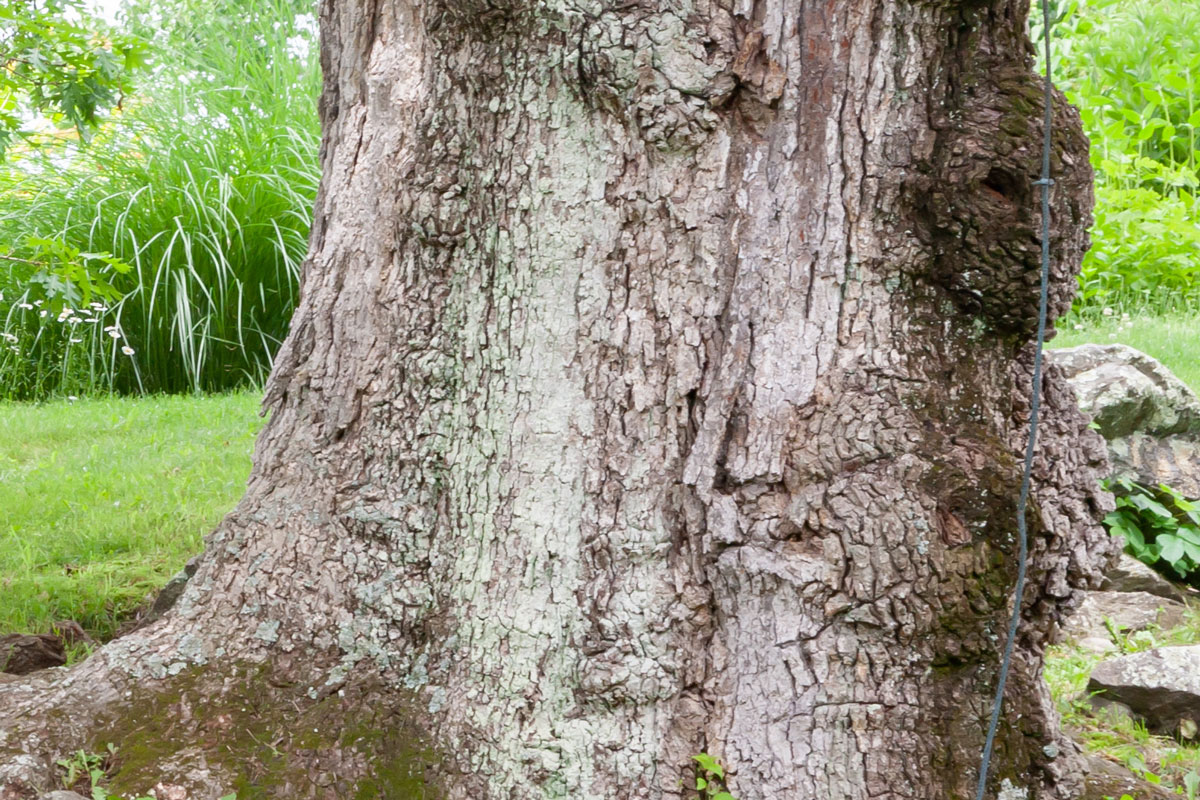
203	188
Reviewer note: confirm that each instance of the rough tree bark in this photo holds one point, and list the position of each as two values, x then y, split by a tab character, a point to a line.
657	387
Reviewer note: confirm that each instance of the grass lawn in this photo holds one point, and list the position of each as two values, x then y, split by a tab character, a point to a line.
102	500
1173	340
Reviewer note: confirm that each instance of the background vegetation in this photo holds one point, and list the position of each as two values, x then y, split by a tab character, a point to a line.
200	191
70	68
1132	67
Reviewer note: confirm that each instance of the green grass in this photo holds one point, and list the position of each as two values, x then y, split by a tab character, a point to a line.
104	499
1173	340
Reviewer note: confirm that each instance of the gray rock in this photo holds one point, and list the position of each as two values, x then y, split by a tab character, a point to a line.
1173	460
1131	575
1101	646
1128	611
1126	391
1160	686
1105	780
61	795
1149	417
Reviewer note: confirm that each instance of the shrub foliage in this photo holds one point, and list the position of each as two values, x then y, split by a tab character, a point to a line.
1132	68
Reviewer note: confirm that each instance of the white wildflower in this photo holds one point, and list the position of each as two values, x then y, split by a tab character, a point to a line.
72	398
1108	312
25	306
127	350
115	334
297	46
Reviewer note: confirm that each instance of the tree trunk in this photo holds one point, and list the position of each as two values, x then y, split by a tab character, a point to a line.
658	387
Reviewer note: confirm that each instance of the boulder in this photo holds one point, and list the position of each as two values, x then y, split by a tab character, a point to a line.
1149	417
1097	645
22	653
1130	575
61	794
1128	612
1150	460
1160	686
1106	780
1126	391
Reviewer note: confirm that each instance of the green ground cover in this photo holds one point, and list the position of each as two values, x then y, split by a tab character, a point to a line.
1163	760
102	500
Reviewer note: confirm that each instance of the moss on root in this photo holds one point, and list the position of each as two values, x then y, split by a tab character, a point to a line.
262	736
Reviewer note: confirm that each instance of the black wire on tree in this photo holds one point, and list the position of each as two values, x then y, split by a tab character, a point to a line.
1035	403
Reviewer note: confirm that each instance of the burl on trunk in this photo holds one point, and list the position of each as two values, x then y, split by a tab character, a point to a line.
657	388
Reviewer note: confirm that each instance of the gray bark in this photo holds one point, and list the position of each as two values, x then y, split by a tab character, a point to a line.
657	387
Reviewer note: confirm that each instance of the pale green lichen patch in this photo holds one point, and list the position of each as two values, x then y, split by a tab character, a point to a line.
268	631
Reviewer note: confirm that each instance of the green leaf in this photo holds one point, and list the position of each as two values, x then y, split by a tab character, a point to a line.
1147	503
710	764
1172	548
1192	551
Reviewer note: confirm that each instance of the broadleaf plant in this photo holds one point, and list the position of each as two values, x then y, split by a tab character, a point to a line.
710	778
1161	527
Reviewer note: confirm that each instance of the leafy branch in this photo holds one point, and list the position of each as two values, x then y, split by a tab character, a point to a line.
64	276
70	71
